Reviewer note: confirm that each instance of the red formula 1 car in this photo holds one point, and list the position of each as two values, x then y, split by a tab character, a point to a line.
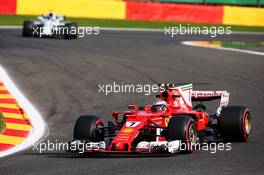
164	126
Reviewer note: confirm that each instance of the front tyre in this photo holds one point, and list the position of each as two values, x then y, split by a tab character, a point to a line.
27	29
182	127
89	127
235	123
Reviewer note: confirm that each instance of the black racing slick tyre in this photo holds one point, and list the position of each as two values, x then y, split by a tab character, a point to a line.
182	127
72	31
27	29
88	127
235	123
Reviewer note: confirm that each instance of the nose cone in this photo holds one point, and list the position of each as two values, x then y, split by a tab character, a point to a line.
121	147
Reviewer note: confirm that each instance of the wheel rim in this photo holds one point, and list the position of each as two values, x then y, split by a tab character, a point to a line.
192	135
247	124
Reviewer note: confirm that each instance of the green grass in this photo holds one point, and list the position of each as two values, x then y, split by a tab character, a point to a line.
2	124
18	20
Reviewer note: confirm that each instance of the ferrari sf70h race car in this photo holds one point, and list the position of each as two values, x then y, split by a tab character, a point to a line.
50	25
165	125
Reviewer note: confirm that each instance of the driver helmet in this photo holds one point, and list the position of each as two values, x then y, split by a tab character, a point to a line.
159	105
51	14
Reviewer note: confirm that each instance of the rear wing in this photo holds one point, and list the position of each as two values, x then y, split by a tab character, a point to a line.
211	95
189	95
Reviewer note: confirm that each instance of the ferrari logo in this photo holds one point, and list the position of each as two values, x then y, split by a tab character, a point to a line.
167	119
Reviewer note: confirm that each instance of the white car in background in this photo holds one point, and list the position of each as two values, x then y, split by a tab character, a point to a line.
50	25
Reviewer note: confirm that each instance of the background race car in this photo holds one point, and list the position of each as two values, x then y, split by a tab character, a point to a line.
50	25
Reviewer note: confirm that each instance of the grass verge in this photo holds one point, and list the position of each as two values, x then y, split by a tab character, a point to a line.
2	124
18	20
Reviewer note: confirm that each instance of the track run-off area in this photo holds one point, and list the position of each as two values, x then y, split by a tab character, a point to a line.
61	78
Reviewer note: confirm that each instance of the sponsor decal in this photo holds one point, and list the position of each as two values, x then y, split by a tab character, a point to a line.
186	87
167	119
123	137
128	130
132	124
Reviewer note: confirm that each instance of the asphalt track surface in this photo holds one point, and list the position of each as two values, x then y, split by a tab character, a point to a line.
61	79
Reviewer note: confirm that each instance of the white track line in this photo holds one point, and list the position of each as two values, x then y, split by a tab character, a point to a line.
190	43
138	30
10	27
38	124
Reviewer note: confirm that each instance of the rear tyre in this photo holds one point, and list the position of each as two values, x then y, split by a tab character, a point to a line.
235	123
88	127
27	29
72	31
182	127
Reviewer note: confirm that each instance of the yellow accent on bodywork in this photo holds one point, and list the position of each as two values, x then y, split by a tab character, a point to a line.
167	119
128	130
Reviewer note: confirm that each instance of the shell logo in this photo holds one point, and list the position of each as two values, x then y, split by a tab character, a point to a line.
128	130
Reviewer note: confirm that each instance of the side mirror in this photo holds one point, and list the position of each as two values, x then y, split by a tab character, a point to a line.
118	117
133	107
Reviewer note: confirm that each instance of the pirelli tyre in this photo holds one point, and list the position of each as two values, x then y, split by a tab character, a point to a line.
182	127
88	127
72	29
235	123
28	29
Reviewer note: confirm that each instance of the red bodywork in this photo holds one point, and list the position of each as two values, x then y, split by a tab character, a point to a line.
140	119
